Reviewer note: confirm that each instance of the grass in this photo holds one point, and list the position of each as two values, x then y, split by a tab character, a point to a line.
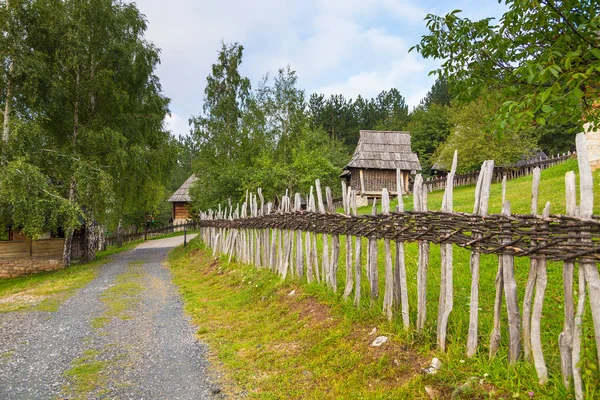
270	350
122	297
86	374
46	291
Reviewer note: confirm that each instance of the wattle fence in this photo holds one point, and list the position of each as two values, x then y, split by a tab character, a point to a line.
510	171
284	240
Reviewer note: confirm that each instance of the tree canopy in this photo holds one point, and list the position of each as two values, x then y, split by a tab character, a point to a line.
542	58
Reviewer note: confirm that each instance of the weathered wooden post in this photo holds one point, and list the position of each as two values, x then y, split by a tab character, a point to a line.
446	302
325	273
565	339
536	316
528	297
482	195
335	244
420	204
495	336
299	258
388	296
357	257
400	283
373	272
349	284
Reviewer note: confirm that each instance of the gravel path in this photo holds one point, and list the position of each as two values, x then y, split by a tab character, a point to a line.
151	354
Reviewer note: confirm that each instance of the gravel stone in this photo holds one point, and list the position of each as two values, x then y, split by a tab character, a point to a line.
153	355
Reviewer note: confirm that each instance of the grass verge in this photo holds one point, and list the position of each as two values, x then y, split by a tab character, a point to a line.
270	351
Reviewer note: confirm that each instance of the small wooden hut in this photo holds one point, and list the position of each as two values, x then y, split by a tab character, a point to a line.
377	157
181	201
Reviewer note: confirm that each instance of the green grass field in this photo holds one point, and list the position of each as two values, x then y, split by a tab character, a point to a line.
236	300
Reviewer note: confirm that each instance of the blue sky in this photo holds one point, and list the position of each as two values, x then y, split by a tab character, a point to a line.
350	47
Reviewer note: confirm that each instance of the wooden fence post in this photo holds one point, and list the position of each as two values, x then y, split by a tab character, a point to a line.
349	284
420	204
373	272
335	245
586	210
388	296
357	257
536	316
299	249
482	195
400	283
446	301
531	280
495	336
565	339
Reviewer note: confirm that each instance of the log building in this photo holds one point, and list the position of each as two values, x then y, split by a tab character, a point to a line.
182	201
377	157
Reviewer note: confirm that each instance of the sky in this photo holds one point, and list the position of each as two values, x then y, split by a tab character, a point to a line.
347	47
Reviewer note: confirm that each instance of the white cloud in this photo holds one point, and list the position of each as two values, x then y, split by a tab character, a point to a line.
338	46
397	73
176	124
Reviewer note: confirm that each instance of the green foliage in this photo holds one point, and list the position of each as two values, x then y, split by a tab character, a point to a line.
28	199
87	109
542	58
429	127
476	142
257	138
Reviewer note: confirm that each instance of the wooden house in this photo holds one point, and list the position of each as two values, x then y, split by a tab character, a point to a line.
182	201
376	159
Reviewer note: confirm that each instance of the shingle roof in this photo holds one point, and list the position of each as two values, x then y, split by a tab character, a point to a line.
384	150
183	193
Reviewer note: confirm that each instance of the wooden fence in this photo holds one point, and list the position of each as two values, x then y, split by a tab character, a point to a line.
510	171
46	249
114	240
285	241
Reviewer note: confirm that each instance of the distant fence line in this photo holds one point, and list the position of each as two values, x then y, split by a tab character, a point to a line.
510	171
115	239
284	240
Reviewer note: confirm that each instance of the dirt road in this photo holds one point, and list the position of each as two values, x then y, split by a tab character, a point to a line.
122	336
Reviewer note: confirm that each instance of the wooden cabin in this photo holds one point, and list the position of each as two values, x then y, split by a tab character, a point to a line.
377	157
182	201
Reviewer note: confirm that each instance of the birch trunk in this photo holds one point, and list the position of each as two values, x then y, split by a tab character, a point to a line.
9	96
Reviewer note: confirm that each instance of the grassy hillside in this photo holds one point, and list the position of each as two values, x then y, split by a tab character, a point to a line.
246	315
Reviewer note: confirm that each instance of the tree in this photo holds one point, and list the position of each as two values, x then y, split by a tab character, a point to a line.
476	142
542	58
429	127
88	113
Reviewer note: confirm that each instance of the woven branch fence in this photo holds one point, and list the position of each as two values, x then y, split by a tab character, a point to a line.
510	171
285	241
